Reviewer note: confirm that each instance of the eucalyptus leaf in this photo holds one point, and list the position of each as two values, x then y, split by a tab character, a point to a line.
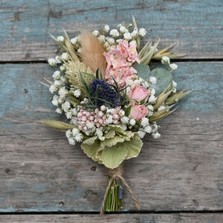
143	71
164	79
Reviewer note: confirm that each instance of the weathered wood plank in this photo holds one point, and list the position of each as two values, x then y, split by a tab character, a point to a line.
121	218
39	171
196	26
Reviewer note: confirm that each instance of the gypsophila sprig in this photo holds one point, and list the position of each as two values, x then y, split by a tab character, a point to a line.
111	98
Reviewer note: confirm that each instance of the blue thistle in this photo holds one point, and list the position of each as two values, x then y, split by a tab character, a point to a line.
104	94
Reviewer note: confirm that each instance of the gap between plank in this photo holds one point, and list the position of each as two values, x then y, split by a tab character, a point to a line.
172	60
112	213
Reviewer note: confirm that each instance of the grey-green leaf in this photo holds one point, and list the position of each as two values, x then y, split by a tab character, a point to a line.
164	78
143	71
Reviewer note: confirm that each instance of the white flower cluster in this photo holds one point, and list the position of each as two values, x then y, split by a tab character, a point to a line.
145	128
60	91
73	136
166	60
109	36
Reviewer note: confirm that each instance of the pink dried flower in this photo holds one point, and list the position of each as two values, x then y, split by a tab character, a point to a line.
138	112
138	93
119	61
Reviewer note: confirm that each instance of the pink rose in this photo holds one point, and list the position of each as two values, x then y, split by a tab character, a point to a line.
138	112
138	93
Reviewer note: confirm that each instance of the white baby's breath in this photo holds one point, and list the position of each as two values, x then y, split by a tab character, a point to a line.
173	66
106	28
141	134
95	32
52	88
59	110
152	99
52	62
156	135
153	80
55	100
148	129
114	33
74	40
64	56
123	29
132	121
56	75
77	93
144	121
127	36
165	60
60	39
142	32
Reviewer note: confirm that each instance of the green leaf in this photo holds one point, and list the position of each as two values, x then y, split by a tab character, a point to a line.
164	79
90	141
109	134
112	157
134	147
91	150
119	131
143	71
112	141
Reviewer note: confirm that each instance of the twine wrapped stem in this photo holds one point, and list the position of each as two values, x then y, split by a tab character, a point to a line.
116	175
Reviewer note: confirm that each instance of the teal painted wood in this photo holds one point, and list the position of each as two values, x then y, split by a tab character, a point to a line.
39	171
121	218
196	26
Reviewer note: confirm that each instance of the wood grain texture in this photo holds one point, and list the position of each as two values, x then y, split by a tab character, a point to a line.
40	172
195	26
121	218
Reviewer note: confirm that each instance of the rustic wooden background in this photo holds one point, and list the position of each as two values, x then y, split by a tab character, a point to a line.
178	179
